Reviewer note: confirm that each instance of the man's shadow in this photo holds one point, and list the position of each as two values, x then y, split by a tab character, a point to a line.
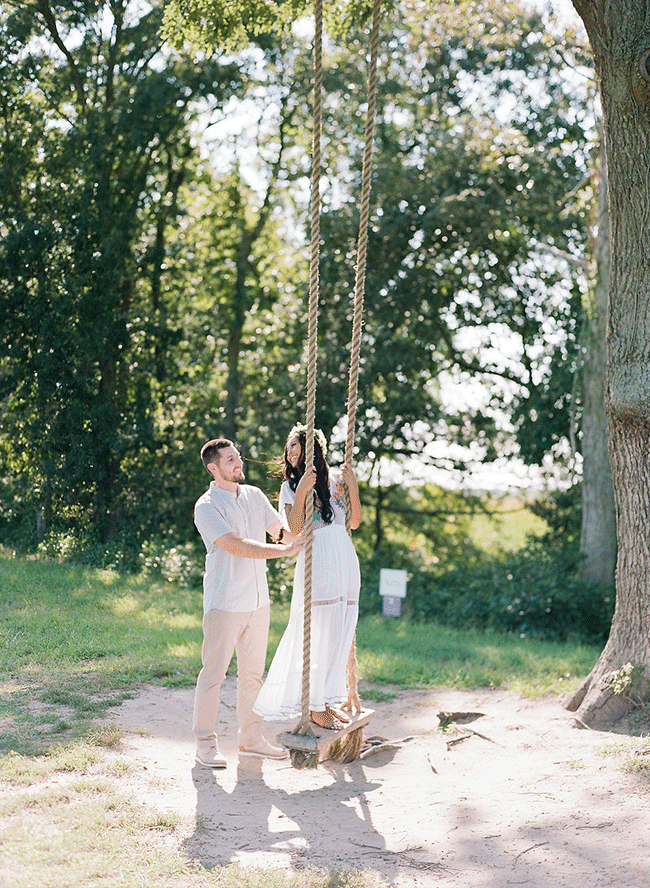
273	816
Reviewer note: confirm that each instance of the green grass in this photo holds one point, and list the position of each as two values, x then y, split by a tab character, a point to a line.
76	641
66	821
634	755
128	629
508	526
83	830
424	655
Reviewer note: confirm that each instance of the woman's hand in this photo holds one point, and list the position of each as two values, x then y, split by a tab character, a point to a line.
348	477
296	513
349	481
307	482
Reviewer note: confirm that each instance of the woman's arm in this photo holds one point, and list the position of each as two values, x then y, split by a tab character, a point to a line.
296	513
350	481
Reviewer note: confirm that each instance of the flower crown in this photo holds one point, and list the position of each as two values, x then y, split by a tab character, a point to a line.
318	435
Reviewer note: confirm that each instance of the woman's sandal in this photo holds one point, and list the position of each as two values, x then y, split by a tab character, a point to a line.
338	714
326	720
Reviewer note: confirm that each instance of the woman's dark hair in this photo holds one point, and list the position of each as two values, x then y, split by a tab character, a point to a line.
293	475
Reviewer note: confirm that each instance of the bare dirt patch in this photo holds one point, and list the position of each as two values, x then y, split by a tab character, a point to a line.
514	794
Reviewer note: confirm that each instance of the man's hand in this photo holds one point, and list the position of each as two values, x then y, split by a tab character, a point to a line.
296	542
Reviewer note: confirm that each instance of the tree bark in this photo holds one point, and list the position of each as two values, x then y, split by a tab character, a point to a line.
619	34
598	530
629	640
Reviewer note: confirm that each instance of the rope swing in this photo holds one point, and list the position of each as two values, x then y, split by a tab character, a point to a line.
305	745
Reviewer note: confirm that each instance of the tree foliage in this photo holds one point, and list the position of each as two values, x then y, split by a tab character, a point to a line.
153	295
97	146
469	204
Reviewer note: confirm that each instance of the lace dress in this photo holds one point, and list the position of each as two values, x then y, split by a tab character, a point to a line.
335	608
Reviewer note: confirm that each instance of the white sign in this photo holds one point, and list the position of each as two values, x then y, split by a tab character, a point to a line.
392	582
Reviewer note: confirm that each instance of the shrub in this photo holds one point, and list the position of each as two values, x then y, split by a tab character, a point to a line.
81	546
182	564
535	593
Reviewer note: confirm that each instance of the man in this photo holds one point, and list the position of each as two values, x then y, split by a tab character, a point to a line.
233	520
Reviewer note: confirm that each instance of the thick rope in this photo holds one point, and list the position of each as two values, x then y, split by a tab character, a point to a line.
362	247
304	726
354	702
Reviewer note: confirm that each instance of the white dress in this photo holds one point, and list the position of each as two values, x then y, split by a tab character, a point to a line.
335	607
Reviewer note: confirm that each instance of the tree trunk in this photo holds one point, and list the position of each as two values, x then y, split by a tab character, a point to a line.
233	381
620	42
629	640
598	532
242	299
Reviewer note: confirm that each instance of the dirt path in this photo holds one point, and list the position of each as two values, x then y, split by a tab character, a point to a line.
527	799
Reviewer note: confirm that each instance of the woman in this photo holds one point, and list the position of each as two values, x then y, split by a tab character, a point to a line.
335	589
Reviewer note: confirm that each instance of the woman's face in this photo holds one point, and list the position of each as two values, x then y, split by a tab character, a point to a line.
293	451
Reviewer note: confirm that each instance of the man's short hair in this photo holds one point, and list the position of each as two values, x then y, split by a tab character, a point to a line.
210	452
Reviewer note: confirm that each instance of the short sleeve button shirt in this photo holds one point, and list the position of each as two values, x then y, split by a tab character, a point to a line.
232	583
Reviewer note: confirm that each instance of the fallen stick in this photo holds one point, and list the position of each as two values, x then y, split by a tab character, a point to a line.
532	848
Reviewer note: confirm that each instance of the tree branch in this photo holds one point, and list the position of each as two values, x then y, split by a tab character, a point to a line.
112	56
575	261
50	22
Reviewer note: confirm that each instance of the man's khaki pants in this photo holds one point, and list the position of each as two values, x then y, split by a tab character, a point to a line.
223	634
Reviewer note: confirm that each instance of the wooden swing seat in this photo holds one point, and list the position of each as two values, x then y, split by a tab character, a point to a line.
322	738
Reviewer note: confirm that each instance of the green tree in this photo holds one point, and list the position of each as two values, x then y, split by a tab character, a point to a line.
198	402
163	306
95	185
469	206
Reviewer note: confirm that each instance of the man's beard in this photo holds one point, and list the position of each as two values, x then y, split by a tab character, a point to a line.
235	476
